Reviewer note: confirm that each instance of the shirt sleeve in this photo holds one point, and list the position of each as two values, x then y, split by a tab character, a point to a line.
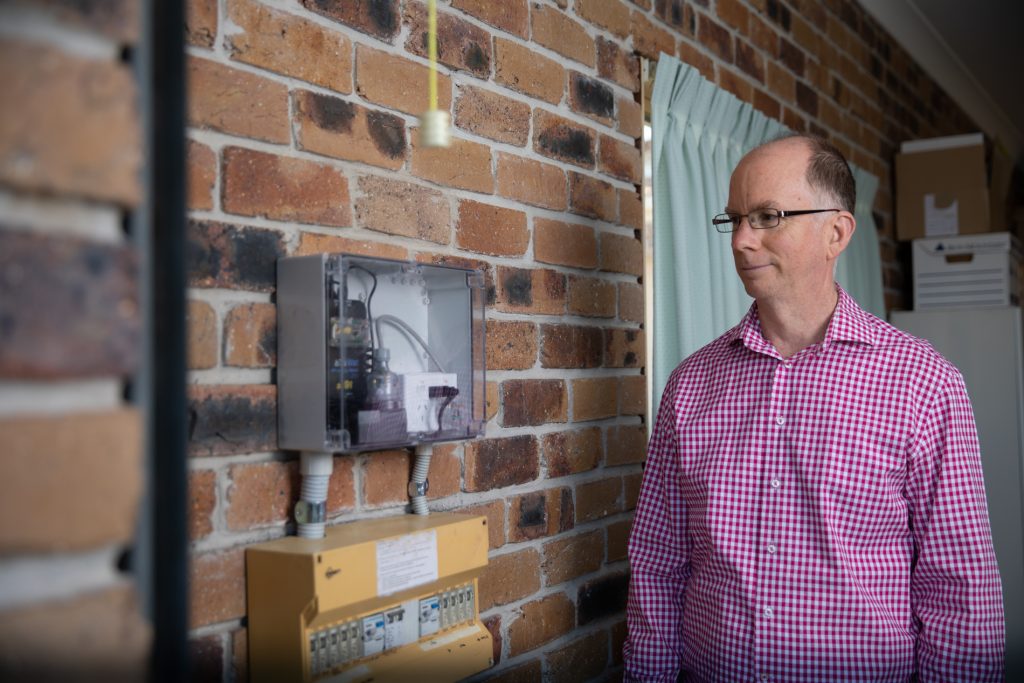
658	558
955	590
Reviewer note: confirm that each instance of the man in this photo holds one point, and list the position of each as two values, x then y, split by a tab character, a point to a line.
812	507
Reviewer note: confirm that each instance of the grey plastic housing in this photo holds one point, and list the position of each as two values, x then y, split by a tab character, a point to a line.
376	354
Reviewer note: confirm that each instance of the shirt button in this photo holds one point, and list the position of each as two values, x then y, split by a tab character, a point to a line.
768	612
771	548
776	483
780	420
765	677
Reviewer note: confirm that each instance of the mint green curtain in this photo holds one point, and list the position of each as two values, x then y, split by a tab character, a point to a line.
859	269
699	134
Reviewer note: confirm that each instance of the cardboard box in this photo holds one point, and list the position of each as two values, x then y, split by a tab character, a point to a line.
944	187
966	271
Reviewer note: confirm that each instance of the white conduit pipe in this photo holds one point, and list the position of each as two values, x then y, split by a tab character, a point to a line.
311	510
419	485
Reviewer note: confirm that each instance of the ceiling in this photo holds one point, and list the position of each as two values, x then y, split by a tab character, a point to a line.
974	50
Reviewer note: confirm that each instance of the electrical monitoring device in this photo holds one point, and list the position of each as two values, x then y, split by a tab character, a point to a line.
387	600
376	354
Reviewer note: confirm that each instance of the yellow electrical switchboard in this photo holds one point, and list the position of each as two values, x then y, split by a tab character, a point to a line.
382	600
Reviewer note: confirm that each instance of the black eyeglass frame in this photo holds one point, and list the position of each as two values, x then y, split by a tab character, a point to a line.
731	221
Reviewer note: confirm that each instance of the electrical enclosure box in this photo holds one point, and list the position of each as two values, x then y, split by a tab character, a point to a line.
383	600
375	354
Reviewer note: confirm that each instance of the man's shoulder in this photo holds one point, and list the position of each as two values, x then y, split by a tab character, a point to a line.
710	354
914	354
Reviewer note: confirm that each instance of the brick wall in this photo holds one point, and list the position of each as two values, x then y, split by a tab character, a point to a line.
71	471
302	139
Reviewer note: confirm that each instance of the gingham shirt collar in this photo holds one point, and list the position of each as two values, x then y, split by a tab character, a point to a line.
849	323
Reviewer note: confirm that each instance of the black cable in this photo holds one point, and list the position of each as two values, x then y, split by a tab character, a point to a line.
449	394
369	298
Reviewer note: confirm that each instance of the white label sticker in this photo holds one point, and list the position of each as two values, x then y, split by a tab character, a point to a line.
940	221
406	561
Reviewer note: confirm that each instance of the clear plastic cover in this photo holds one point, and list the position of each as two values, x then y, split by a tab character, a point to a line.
405	353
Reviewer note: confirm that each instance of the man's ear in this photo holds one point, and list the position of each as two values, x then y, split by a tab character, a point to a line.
840	231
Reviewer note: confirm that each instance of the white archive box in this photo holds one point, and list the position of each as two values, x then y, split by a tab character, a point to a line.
966	271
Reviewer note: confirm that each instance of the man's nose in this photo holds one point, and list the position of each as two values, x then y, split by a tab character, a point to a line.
744	236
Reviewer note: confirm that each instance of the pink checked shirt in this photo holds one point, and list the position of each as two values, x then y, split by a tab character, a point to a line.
817	518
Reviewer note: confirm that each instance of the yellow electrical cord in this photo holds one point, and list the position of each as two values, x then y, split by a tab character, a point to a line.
432	51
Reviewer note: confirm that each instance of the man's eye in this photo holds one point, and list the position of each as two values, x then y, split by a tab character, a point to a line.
762	217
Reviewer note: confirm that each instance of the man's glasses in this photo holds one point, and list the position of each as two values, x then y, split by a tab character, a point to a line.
762	219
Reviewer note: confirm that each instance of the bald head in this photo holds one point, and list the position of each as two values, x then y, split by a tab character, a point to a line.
827	171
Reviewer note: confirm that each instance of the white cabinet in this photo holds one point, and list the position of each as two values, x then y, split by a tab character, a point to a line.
988	348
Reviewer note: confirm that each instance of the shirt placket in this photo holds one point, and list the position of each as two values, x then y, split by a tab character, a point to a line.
767	610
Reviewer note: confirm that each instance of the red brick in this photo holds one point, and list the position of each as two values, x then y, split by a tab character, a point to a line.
631	209
649	39
202	174
495	513
749	60
522	290
805	35
621	254
379	19
569	346
202	497
631	302
201	322
531	182
564	244
781	83
236	102
792	56
620	160
283	188
618	540
511	345
397	82
581	660
733	13
541	621
509	15
589	196
597	499
697	58
562	139
497	463
201	22
591	297
341	491
491	229
216	587
240	655
567	453
591	97
524	673
556	31
214	260
540	513
73	125
289	45
445	471
88	468
807	99
261	494
509	577
336	128
531	402
96	635
493	400
594	398
315	243
250	336
631	117
207	657
764	36
631	490
617	64
228	419
569	558
613	16
715	37
793	120
731	81
633	395
767	105
386	478
627	444
492	115
460	45
398	208
522	69
624	348
463	164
